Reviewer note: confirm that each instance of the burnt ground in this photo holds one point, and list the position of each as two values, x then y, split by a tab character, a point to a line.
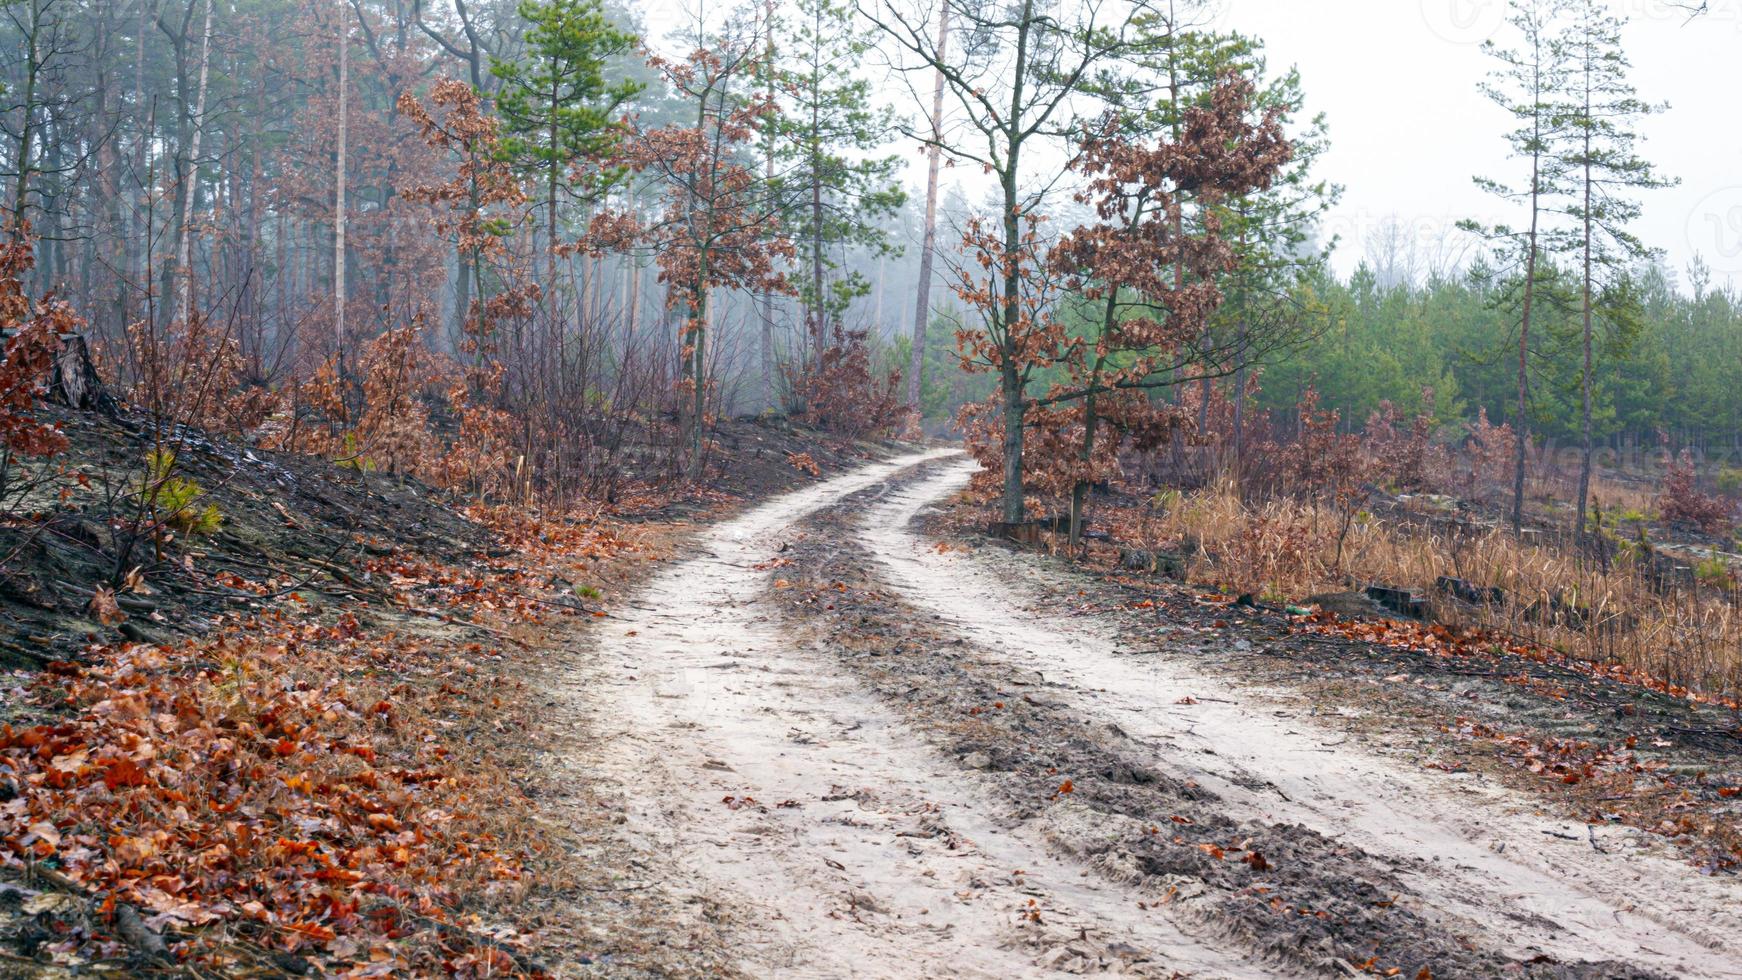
290	523
1295	896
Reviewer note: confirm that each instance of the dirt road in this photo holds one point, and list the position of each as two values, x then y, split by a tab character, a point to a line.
787	719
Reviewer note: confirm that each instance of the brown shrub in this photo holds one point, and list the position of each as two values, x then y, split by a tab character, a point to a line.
1684	502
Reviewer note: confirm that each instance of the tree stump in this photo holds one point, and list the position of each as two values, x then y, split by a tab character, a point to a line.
75	382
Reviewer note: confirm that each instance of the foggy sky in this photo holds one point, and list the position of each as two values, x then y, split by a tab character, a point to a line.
1397	80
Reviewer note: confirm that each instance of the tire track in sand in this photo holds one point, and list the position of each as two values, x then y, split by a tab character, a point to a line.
841	844
1476	855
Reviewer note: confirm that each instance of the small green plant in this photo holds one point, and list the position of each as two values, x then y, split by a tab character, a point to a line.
1165	500
173	499
587	592
1635	517
353	458
1714	571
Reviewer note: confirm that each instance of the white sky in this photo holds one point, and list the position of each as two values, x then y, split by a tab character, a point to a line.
1408	129
1397	80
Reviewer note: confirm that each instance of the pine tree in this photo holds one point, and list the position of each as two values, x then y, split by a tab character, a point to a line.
558	108
833	188
1597	117
1524	85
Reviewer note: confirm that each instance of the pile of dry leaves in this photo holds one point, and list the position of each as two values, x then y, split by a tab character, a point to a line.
294	791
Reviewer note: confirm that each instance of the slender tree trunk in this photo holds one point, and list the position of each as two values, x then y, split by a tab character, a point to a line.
1085	456
184	250
928	246
1522	420
877	300
1240	369
818	303
634	314
819	309
251	244
550	199
144	121
1240	402
339	191
767	325
109	183
1585	376
27	126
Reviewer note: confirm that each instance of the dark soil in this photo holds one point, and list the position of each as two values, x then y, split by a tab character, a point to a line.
289	523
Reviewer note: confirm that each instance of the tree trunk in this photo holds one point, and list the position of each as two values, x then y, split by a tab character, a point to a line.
928	246
767	326
27	125
1010	383
1521	421
339	192
1086	454
1585	376
819	315
75	382
1011	377
698	368
550	201
145	121
184	250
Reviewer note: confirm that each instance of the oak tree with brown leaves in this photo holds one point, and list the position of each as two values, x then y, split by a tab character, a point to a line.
1134	317
720	228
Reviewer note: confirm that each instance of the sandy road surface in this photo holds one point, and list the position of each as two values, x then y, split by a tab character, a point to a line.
844	844
778	786
1487	858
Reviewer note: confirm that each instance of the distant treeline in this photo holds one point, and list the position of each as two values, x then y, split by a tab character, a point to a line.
1672	367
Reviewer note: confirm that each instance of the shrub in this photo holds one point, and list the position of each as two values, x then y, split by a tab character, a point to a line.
1403	448
1492	451
1685	503
1330	467
844	396
31	333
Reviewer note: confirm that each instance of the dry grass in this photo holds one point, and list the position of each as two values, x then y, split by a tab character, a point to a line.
1686	634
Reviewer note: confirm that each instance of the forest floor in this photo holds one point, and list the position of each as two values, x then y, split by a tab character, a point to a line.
314	741
841	737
